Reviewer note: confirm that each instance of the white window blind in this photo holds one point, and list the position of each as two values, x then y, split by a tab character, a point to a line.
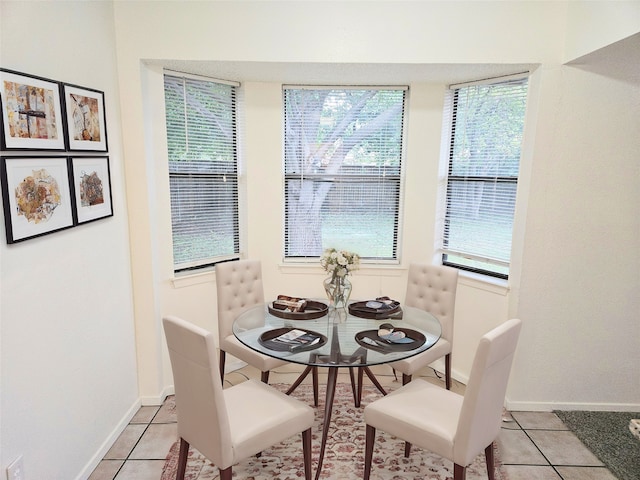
487	122
203	170
343	156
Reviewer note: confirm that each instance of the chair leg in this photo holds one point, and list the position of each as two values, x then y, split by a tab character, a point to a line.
182	459
407	449
488	454
264	376
405	379
370	439
306	453
223	356
459	473
226	474
447	370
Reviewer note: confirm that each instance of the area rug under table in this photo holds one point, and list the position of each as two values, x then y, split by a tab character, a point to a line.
344	455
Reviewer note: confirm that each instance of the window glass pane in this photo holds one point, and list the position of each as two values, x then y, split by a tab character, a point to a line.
486	136
201	142
343	151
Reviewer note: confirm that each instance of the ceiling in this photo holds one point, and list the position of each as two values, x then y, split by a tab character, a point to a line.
620	60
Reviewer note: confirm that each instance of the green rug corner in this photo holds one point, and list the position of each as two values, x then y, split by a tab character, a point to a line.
607	435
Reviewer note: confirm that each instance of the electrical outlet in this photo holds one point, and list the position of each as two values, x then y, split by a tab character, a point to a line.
15	471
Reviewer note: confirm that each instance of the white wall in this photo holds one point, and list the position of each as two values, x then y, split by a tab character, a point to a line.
593	25
67	354
389	33
581	262
576	252
422	37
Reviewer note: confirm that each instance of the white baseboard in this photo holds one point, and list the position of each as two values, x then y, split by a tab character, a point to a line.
232	364
156	400
522	406
517	406
109	441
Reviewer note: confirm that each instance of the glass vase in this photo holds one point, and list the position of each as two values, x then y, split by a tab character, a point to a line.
338	290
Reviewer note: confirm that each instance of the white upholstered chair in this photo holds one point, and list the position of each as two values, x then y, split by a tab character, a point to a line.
431	288
239	287
453	426
232	424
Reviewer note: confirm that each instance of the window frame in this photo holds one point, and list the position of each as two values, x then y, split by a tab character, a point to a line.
449	135
210	178
386	175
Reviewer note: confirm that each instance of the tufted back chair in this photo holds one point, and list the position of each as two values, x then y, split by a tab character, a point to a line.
239	287
431	288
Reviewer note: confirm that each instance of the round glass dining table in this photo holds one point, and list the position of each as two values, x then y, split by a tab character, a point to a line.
336	340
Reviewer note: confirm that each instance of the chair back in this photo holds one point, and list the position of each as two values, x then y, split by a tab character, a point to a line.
203	420
433	288
481	413
239	287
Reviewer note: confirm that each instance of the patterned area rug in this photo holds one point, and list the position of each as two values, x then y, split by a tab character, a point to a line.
344	454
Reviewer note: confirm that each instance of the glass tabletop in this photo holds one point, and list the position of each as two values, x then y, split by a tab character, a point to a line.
342	341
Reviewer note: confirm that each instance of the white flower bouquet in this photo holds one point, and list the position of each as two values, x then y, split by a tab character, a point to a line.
339	263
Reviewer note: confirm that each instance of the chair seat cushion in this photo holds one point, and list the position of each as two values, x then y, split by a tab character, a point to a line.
411	365
421	413
234	347
261	416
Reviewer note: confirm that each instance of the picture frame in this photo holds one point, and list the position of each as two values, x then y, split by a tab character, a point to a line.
91	180
36	196
32	116
85	119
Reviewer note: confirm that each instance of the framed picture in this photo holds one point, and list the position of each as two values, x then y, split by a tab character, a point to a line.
31	113
36	196
92	188
86	120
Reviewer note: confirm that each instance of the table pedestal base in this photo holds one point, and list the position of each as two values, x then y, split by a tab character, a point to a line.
332	380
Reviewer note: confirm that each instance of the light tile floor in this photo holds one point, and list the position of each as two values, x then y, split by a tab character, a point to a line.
533	445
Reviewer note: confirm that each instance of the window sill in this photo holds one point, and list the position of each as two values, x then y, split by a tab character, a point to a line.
469	279
189	279
483	282
391	270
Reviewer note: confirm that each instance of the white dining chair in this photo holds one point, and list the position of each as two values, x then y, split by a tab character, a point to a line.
232	424
239	287
453	426
431	288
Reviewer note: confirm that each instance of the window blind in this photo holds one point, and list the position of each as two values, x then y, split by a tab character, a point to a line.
203	170
343	156
486	126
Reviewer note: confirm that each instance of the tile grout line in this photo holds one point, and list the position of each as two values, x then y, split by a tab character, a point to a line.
138	441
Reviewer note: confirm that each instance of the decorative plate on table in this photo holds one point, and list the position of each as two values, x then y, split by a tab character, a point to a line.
371	339
311	311
291	339
377	309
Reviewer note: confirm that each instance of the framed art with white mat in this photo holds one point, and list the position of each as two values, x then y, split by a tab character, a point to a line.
91	181
86	120
36	196
31	112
